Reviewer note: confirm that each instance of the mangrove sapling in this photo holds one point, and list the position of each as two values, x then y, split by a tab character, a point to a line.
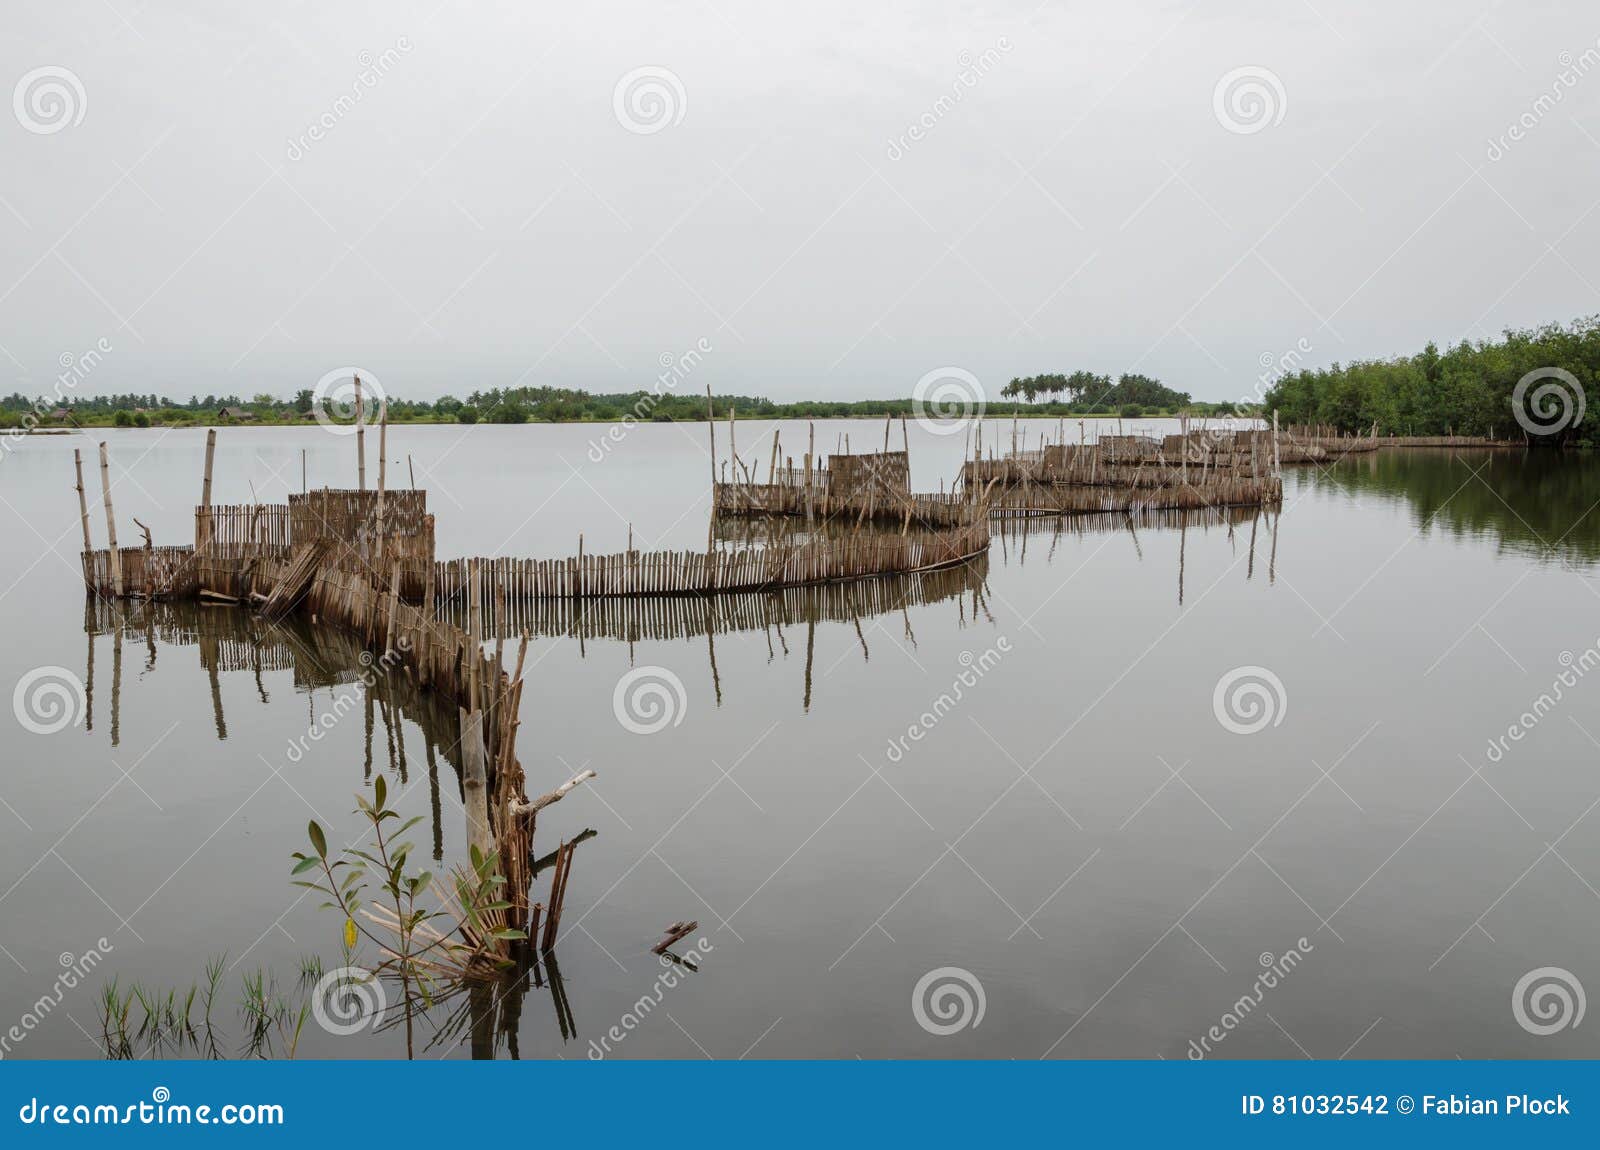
413	944
408	935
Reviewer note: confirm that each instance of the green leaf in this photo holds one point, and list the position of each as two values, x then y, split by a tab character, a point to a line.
305	864
380	791
317	840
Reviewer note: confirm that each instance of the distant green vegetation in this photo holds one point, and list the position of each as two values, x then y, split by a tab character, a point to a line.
1131	397
1086	392
1468	389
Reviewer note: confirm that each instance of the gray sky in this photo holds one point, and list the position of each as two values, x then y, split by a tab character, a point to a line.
483	216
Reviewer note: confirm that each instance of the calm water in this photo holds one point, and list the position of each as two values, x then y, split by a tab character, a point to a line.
1079	832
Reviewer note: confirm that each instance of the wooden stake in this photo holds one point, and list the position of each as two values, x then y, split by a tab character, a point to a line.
83	500
111	521
711	426
675	933
211	455
475	782
361	442
811	462
383	473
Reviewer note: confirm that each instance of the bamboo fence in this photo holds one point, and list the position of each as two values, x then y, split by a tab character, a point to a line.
749	500
1163	491
151	572
236	546
666	617
646	573
1453	441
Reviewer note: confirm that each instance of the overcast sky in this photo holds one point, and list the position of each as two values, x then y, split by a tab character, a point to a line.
492	211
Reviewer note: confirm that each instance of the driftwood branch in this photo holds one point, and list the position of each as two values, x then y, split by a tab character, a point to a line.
545	862
539	804
675	933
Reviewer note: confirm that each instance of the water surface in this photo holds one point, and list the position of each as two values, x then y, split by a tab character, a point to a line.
1079	831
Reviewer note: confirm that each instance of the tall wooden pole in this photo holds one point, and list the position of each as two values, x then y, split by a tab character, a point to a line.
711	425
361	442
475	782
111	521
383	448
211	456
205	489
383	455
474	622
83	499
711	428
811	461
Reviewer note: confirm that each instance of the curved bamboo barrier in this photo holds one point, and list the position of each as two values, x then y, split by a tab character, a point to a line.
637	619
665	573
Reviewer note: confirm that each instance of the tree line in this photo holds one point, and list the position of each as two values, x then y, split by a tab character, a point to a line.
1129	396
1089	392
1531	383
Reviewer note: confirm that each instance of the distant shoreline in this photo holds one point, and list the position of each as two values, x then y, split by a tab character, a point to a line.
276	424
